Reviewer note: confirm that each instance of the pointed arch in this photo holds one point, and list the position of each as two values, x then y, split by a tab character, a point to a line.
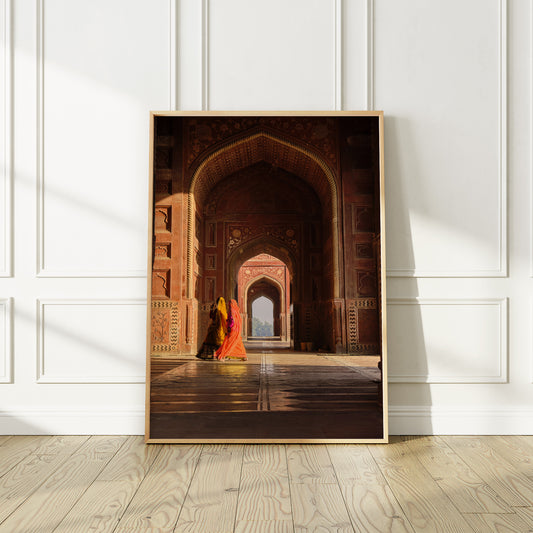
263	146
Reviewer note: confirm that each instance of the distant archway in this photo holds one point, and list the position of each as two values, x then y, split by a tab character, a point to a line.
268	276
262	317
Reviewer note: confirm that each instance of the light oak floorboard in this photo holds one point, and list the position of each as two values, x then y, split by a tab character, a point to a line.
264	494
498	523
514	449
46	507
369	499
426	506
4	439
526	513
157	503
468	492
118	484
211	504
506	480
17	448
102	505
17	485
319	507
310	463
271	526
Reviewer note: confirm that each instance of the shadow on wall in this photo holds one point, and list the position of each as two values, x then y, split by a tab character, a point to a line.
124	357
410	337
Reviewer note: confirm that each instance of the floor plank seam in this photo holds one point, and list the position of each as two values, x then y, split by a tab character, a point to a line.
186	495
289	485
156	455
238	494
339	486
89	485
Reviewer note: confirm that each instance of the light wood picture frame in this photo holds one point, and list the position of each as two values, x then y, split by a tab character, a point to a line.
282	215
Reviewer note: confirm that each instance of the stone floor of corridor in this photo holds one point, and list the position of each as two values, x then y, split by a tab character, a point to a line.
276	393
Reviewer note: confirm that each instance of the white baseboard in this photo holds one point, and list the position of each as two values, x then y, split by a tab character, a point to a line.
427	420
403	420
73	421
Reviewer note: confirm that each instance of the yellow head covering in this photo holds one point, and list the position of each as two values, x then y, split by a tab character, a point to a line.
223	315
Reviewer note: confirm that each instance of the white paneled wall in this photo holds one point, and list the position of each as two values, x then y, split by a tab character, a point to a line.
5	140
454	80
6	347
447	134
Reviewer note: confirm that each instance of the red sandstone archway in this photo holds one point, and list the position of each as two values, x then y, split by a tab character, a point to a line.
245	152
265	275
266	209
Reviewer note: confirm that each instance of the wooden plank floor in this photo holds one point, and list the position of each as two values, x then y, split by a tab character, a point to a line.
119	484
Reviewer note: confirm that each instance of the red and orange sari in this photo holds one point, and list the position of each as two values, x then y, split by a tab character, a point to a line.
232	347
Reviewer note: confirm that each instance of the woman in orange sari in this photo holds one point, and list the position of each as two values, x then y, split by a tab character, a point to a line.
232	347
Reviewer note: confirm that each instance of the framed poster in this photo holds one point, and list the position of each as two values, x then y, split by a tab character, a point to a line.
266	316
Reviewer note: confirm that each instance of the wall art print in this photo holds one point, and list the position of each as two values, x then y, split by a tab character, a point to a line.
266	320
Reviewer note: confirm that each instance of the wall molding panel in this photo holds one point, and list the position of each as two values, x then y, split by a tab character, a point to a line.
173	67
370	55
224	85
503	252
531	148
206	74
64	338
339	56
6	264
6	335
453	306
42	271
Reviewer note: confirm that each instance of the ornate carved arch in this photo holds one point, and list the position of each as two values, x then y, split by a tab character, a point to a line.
245	151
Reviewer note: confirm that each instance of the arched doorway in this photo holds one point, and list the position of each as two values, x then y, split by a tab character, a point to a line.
265	275
264	209
264	189
264	288
262	322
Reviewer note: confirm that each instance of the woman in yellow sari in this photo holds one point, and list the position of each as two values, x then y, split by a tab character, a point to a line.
216	331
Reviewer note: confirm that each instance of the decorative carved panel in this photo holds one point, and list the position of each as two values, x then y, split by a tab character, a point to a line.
364	250
210	262
317	132
210	289
211	234
163	188
163	250
366	284
238	235
161	283
353	334
166	325
363	218
163	157
162	222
